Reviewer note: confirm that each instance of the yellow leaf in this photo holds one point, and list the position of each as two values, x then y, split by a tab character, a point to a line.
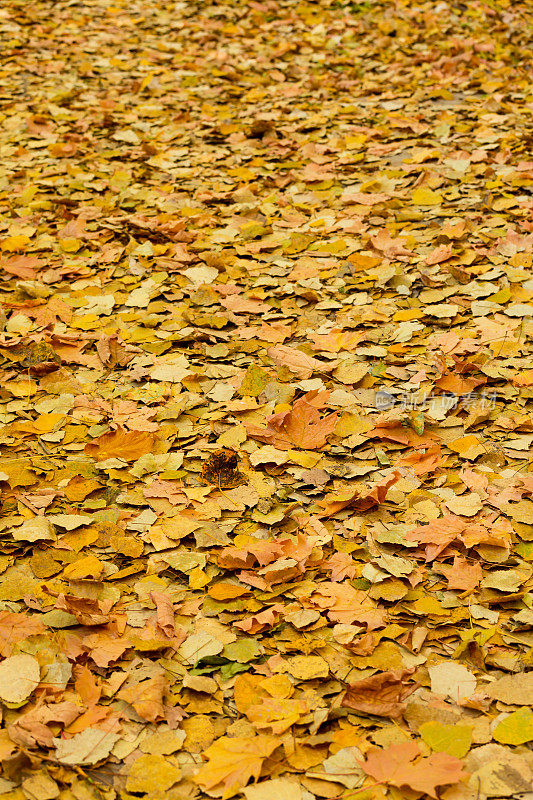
128	445
423	196
152	774
469	447
14	243
452	739
70	244
88	567
517	728
19	676
233	761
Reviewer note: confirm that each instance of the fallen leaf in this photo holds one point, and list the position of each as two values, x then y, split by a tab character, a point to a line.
516	728
383	694
513	689
452	680
19	677
151	774
300	427
233	761
88	747
396	767
128	445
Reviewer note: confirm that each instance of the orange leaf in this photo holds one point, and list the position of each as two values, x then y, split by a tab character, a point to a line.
86	685
524	379
301	427
462	575
396	766
233	761
226	591
259	622
15	627
302	365
336	340
422	462
441	253
147	697
381	694
359	498
129	445
348	605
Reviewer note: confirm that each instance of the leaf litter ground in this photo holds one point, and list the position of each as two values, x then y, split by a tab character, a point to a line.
267	508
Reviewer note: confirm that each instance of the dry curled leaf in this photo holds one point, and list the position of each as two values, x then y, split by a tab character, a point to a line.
221	470
383	694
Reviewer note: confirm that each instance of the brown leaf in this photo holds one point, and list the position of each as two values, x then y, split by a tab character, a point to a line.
382	694
359	498
164	613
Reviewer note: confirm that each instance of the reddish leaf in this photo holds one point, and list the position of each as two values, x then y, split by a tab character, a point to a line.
381	694
396	766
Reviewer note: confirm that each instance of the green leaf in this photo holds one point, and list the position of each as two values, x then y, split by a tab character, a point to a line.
242	650
230	670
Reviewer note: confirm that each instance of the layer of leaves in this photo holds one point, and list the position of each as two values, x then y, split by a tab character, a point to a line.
266	396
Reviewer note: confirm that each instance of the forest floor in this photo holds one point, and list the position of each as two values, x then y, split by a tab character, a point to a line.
266	394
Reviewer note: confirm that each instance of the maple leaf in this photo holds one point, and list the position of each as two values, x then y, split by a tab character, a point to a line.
336	340
440	533
15	627
261	552
277	714
104	649
422	462
259	622
342	566
392	248
462	575
170	490
300	427
396	767
233	761
126	414
32	729
348	605
147	697
24	267
382	694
